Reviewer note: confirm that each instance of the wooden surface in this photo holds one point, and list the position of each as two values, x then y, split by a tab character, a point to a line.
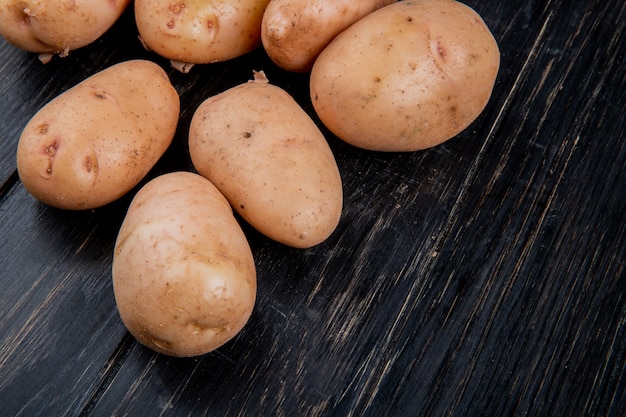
483	277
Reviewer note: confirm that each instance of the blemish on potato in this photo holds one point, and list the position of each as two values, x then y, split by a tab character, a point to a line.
25	16
51	149
441	50
100	93
195	328
161	344
89	164
48	171
177	8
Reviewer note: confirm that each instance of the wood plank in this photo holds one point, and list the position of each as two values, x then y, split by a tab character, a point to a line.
59	321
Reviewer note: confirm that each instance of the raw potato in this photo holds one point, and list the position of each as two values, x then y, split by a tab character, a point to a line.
57	27
270	160
294	32
199	31
406	77
93	143
184	277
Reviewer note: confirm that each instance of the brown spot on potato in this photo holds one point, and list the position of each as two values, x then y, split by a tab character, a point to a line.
177	8
88	164
441	50
51	149
101	93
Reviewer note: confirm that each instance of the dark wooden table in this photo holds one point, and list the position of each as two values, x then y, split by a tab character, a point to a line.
483	277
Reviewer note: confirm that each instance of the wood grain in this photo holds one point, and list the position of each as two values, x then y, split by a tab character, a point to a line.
481	277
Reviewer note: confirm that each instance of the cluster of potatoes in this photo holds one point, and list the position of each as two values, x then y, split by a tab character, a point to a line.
385	75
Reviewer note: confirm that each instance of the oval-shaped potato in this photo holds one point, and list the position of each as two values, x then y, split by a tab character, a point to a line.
200	31
294	32
56	27
270	160
93	143
406	77
184	277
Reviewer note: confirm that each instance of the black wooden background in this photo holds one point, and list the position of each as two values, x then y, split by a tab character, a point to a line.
483	277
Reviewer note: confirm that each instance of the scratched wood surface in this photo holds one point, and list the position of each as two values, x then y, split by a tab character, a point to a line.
481	277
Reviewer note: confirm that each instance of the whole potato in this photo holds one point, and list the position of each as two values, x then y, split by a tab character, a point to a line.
199	31
294	32
56	27
184	277
94	142
406	77
270	160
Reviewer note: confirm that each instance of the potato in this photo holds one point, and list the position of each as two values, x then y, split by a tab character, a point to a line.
199	31
406	77
294	32
56	27
94	142
270	160
184	277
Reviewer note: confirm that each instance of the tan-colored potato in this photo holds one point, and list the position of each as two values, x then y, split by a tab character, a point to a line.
57	26
294	32
406	77
199	31
184	277
93	143
270	160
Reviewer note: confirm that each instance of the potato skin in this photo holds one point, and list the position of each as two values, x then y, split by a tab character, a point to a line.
93	143
294	32
270	160
56	27
200	31
406	77
184	277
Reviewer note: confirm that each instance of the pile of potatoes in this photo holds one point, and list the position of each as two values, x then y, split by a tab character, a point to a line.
385	75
